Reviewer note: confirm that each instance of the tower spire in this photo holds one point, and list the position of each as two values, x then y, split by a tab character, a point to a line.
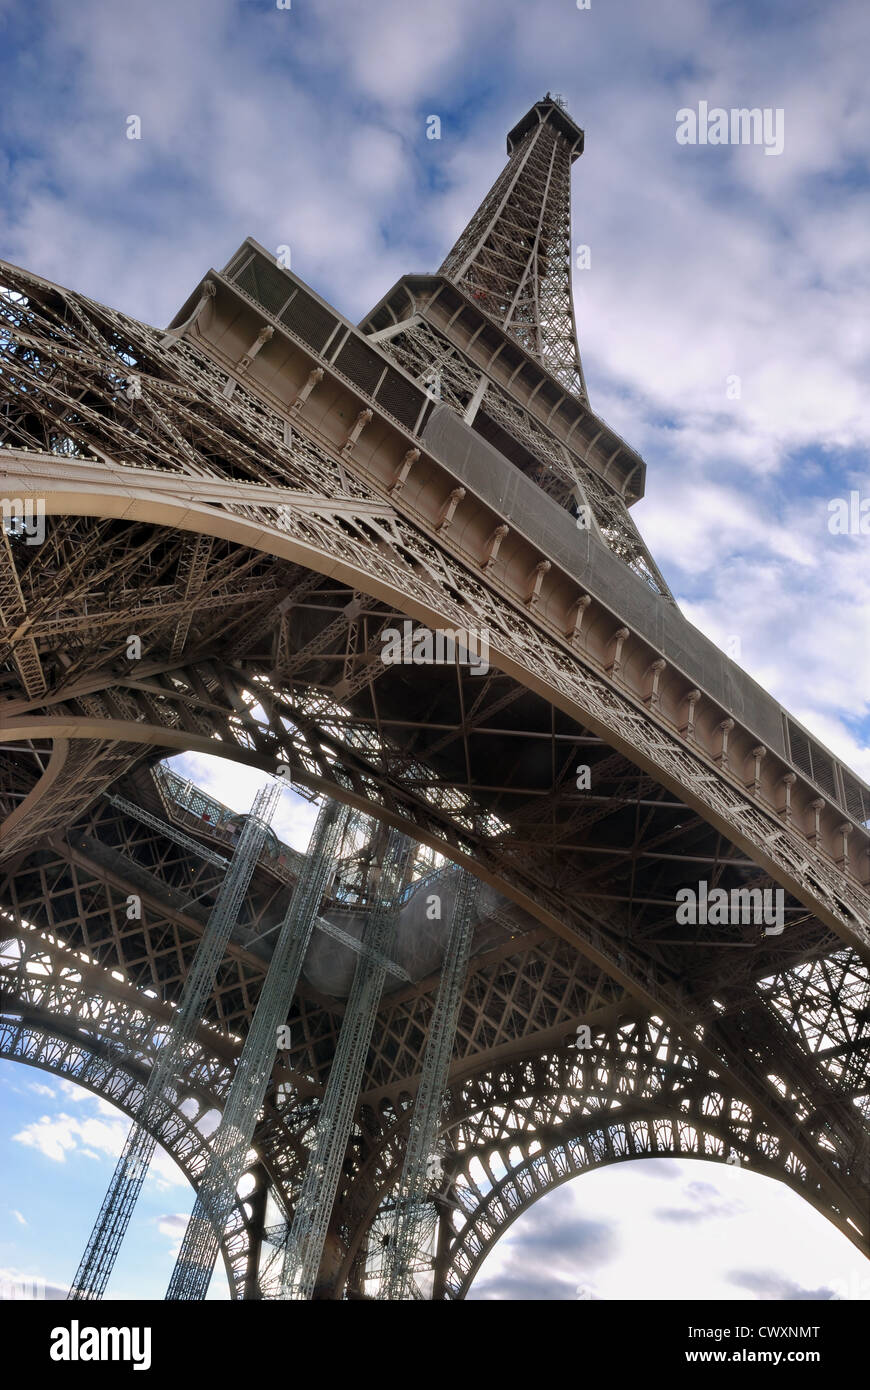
514	256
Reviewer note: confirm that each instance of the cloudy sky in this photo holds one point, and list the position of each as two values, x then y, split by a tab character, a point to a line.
672	1229
307	127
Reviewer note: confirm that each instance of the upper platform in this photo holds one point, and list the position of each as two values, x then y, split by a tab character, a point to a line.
551	110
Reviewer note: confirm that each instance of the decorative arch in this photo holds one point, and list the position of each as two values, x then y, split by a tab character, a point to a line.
106	1072
638	1133
518	1131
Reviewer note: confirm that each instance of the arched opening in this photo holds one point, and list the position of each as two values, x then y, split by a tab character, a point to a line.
671	1228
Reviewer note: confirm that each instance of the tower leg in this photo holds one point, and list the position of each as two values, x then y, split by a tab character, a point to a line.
439	1282
257	1200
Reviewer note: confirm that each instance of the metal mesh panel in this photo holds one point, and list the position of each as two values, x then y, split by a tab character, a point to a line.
266	284
856	803
800	749
305	317
823	772
400	398
360	364
239	259
813	760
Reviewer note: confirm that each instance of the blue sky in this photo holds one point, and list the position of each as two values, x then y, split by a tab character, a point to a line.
59	1144
306	127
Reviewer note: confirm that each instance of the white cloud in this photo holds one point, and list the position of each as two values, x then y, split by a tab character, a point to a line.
24	1284
706	1236
173	1226
797	597
236	786
62	1136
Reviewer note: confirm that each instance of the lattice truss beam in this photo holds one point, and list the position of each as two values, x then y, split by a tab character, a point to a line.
168	1074
526	1127
668	853
411	1238
232	1141
118	1077
313	1207
61	1013
282	663
638	1092
434	559
511	994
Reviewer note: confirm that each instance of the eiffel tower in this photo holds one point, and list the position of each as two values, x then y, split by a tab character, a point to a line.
210	532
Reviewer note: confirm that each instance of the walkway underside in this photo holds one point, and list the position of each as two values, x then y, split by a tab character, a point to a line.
259	582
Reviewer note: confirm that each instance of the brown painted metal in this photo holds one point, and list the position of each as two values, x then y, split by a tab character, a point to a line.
259	519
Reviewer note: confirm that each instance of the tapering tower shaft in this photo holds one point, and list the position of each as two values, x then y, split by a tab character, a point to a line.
514	256
492	337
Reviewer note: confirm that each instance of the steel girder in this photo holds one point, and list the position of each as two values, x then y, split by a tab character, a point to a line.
518	1131
74	1021
178	500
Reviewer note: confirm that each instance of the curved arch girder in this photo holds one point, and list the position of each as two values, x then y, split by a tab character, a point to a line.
104	1043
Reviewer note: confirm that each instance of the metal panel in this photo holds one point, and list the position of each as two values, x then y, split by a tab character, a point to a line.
309	320
266	284
533	514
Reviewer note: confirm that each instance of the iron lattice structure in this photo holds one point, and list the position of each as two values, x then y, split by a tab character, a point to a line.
258	494
514	257
412	1236
307	1232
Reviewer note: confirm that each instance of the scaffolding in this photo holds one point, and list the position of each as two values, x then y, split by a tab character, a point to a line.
120	1200
232	1139
307	1234
409	1242
193	809
170	831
